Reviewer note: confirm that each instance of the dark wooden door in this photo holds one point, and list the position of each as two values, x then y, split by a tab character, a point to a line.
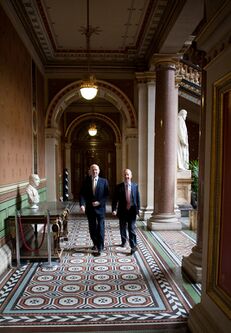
98	150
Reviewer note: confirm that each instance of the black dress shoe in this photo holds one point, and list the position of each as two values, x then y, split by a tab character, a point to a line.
94	248
123	245
134	249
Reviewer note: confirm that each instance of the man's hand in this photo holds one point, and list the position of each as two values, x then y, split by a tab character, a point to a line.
95	203
114	213
82	209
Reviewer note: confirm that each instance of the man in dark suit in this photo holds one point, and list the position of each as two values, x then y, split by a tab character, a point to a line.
93	197
126	205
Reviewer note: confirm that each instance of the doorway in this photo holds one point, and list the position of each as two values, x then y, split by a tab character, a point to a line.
98	149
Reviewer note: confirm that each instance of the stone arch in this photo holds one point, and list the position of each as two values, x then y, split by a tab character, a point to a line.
99	116
106	91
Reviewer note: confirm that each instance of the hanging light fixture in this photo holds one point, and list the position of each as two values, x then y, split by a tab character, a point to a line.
88	88
92	131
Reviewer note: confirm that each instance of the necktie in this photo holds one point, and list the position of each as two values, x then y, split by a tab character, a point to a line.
128	196
94	185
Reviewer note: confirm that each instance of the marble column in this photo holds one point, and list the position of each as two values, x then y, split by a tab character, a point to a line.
51	143
164	216
119	166
146	121
192	264
150	145
132	151
142	140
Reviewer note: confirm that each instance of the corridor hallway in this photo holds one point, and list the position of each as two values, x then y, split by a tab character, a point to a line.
115	292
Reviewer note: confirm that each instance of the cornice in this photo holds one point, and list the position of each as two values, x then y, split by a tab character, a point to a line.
215	37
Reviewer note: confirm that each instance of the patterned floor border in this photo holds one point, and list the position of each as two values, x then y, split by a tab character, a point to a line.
169	305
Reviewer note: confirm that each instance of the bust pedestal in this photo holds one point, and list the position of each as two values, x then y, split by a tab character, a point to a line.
34	206
183	193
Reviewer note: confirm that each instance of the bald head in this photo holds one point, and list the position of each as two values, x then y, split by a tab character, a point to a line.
127	174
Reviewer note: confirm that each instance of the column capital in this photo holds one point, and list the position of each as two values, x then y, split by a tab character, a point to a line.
131	132
167	60
145	77
52	132
68	145
118	145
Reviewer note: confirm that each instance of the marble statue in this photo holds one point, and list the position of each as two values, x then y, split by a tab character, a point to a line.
32	192
182	145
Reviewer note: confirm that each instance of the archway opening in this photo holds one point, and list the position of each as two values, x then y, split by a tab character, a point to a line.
66	114
86	150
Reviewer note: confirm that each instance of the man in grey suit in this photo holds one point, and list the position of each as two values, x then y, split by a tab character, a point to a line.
93	197
126	205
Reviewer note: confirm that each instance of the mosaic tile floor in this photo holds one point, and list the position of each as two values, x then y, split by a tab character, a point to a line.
84	293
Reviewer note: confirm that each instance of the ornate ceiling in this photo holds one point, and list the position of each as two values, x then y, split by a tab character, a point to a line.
126	33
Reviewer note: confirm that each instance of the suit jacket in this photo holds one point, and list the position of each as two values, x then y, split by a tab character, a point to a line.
101	195
119	202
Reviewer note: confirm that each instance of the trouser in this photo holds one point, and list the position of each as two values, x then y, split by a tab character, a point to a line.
97	229
128	221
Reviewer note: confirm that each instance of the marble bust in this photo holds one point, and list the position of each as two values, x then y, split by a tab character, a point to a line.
32	192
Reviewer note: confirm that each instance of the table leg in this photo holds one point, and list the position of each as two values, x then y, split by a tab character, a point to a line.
17	239
48	238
